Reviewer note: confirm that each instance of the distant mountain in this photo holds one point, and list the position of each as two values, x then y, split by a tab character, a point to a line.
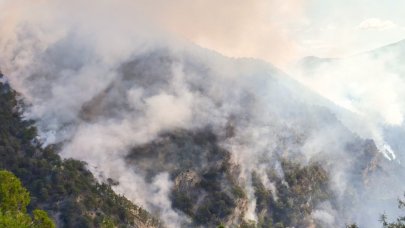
395	50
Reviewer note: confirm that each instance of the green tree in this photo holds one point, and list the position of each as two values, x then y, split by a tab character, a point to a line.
107	223
42	220
15	220
13	196
14	199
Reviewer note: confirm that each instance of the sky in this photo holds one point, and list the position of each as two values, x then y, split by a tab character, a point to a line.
282	31
345	27
277	31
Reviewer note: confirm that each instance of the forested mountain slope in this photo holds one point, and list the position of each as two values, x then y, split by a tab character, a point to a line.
64	188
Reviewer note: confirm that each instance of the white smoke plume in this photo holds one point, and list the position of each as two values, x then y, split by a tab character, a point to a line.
101	77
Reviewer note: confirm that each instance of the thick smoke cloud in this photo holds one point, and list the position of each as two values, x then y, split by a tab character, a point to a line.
101	77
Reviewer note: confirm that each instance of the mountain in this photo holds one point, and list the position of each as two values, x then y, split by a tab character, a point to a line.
397	48
202	140
391	52
106	121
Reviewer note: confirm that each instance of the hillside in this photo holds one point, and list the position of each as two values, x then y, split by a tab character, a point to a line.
62	187
69	192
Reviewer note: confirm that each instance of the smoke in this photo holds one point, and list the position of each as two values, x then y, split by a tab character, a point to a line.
368	88
101	77
369	85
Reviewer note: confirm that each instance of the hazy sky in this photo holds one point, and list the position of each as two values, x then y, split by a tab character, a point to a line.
281	31
345	27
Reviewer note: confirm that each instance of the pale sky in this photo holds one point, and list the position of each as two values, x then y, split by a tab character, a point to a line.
281	31
278	31
344	27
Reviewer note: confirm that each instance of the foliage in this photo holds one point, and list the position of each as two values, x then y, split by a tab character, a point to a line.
15	220
41	219
14	199
13	196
